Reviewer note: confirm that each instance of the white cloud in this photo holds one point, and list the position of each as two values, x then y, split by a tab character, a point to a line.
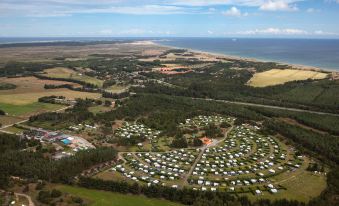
278	6
274	31
135	7
249	3
282	32
313	10
324	33
234	11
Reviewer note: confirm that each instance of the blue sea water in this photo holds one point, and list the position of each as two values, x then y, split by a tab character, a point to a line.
322	53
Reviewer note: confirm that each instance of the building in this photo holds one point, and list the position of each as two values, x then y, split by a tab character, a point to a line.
206	141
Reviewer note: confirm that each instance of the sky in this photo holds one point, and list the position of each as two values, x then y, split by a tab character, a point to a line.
170	18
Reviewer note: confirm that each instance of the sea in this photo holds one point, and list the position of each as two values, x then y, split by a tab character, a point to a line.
322	53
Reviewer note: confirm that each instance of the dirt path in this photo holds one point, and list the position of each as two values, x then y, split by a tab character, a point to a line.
30	202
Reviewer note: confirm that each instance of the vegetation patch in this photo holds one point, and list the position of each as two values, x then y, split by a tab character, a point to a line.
7	86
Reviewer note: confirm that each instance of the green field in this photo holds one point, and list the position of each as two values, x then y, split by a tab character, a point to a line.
17	110
103	198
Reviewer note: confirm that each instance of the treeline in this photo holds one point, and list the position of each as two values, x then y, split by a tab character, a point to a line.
7	86
71	87
50	99
327	123
75	115
85	84
185	196
112	95
34	165
23	68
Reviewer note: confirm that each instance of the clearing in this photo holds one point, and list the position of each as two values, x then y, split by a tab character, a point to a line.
104	198
281	76
23	99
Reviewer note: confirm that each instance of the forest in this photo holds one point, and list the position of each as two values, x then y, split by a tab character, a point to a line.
35	165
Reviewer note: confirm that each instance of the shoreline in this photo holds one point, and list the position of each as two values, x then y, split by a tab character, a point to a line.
233	57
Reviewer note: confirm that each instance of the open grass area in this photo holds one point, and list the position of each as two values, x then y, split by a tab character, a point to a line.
103	198
116	89
30	89
6	120
18	110
61	72
99	109
281	76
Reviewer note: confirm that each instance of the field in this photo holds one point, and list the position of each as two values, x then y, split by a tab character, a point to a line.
60	72
23	99
103	198
116	89
17	110
280	76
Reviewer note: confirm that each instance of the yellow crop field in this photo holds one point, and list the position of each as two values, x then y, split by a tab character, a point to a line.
281	76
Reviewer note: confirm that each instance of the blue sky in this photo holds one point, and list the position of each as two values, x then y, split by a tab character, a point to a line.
166	18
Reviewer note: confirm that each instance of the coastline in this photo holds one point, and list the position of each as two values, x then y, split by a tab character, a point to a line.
233	57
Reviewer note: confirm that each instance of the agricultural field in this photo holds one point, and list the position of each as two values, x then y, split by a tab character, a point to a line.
65	73
281	76
102	198
242	161
23	100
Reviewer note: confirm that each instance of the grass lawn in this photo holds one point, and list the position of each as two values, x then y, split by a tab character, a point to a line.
99	109
18	110
116	89
14	129
103	198
60	72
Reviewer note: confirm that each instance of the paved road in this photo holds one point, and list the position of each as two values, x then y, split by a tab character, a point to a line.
202	150
269	106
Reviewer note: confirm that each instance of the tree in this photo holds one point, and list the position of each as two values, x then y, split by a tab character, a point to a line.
197	142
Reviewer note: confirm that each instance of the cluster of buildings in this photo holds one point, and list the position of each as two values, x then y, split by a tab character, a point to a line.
202	121
134	130
66	145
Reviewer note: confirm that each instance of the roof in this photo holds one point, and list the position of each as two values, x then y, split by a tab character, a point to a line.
206	140
66	141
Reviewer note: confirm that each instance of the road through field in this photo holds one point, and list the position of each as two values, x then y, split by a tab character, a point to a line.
25	120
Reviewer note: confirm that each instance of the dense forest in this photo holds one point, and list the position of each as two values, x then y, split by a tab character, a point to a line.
35	165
